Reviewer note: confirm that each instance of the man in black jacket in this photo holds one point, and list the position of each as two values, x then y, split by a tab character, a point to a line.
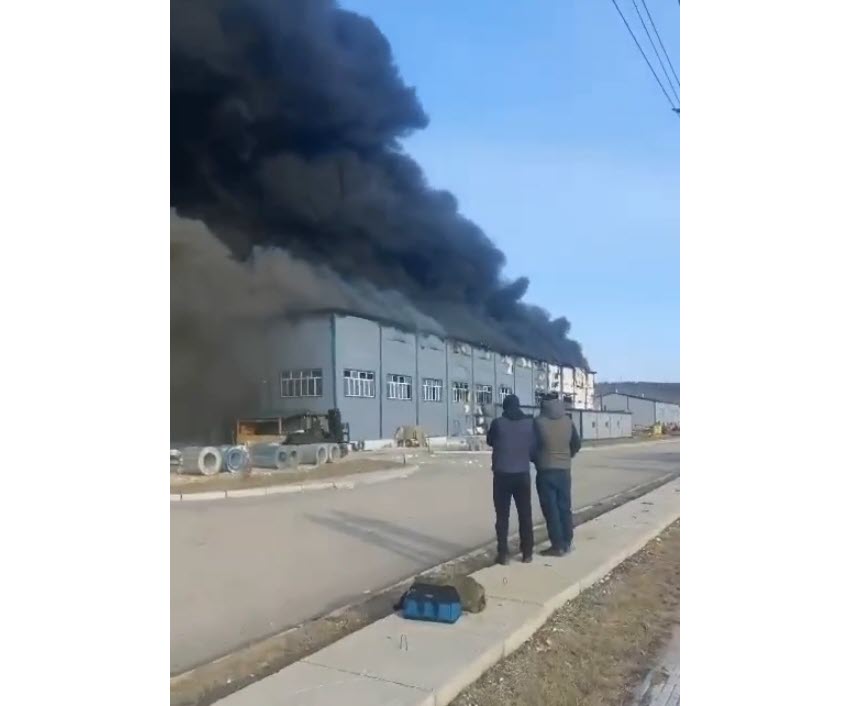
513	441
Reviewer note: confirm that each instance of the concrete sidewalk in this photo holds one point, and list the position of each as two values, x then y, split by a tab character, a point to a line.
404	663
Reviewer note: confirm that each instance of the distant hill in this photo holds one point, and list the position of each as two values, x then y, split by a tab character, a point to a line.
661	391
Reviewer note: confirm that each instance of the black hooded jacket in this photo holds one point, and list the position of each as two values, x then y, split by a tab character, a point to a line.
512	437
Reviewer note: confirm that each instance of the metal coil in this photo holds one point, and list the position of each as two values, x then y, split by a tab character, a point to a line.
204	460
237	459
314	454
274	456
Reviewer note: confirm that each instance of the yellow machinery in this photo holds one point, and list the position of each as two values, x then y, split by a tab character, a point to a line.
258	431
294	429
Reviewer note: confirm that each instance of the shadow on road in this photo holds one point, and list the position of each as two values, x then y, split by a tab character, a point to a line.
388	535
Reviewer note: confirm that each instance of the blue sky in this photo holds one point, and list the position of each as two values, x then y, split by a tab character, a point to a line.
548	127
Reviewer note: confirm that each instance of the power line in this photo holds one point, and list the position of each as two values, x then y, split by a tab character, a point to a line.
655	51
658	36
635	39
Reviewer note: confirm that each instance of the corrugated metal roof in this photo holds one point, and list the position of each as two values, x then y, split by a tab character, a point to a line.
651	392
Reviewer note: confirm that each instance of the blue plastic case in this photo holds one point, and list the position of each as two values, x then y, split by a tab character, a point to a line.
438	604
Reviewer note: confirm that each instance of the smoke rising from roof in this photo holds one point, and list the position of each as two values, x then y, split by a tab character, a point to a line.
286	120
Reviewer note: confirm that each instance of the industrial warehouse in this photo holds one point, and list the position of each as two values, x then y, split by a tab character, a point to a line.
382	376
647	411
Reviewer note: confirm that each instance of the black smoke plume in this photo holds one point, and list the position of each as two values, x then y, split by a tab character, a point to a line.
286	118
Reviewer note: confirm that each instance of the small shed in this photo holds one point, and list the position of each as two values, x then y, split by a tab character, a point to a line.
594	425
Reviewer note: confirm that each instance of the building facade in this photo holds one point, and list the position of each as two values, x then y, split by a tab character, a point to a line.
645	411
382	377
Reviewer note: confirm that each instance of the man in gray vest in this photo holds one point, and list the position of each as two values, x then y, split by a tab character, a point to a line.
558	443
513	441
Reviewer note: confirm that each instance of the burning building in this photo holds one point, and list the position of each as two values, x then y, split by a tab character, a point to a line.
291	192
382	375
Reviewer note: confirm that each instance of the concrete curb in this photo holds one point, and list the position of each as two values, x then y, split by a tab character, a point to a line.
469	675
447	659
342	483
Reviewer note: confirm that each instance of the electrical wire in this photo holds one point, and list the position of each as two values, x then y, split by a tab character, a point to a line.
652	70
655	51
658	36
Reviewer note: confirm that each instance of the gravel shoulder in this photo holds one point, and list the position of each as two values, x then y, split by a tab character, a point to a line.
595	650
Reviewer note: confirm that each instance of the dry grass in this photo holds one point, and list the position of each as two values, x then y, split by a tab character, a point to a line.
259	479
596	648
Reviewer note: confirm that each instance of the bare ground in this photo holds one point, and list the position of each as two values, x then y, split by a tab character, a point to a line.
596	649
260	479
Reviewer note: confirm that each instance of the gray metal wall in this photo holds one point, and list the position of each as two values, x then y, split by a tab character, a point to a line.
484	367
459	370
398	358
667	413
645	413
604	425
431	364
589	424
504	375
334	343
304	344
524	385
623	425
613	402
358	348
597	425
576	417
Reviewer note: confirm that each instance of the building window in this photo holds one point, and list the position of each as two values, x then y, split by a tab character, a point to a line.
523	363
484	394
399	387
503	391
301	383
461	348
484	353
359	383
431	390
460	392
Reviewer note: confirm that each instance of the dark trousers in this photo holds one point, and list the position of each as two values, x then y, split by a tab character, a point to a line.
554	489
505	487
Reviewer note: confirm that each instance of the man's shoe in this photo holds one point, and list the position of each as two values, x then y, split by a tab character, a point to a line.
527	559
553	551
502	559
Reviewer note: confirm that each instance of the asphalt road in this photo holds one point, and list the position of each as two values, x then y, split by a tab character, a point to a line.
243	569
